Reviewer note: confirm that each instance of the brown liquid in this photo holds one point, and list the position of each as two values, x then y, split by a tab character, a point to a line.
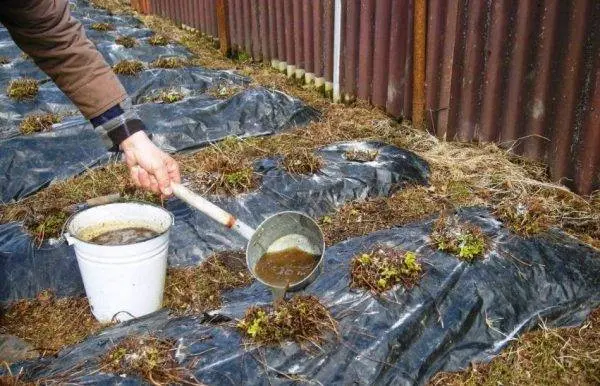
124	236
285	267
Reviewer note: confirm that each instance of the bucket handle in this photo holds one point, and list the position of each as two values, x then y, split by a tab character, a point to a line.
212	211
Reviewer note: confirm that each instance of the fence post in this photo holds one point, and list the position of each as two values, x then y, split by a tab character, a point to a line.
420	30
223	27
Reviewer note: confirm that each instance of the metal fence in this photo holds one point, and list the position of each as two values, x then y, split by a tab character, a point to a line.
523	73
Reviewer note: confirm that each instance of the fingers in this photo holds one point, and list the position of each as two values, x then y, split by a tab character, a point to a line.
162	177
144	178
173	170
134	170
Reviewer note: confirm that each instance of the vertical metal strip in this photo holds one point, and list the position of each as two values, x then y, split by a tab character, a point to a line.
381	52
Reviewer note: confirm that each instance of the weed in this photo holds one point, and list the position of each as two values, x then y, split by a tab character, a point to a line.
303	320
4	60
302	161
361	155
168	96
51	225
383	268
243	57
128	67
126	41
22	89
158	40
526	218
49	323
194	290
169	62
102	27
463	240
148	357
36	123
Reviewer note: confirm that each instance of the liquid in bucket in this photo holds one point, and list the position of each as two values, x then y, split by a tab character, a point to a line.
288	266
124	236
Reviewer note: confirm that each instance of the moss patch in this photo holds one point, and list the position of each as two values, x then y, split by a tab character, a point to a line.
194	290
48	323
361	155
303	320
383	268
564	356
466	241
302	161
169	62
37	123
4	60
126	41
22	89
158	40
148	357
128	67
102	27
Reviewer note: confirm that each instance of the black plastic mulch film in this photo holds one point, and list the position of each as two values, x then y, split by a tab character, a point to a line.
458	313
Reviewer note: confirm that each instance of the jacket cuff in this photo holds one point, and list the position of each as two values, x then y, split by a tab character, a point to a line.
115	130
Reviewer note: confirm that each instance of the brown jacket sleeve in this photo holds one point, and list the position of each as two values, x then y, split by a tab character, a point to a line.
47	32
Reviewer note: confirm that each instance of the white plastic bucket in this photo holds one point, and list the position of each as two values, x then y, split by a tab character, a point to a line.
122	281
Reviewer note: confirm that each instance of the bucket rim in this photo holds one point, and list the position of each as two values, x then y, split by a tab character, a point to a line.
72	217
304	282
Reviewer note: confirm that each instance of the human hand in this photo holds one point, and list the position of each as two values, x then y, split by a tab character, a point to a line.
150	167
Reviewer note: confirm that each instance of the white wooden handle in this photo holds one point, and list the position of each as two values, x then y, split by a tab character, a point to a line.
211	210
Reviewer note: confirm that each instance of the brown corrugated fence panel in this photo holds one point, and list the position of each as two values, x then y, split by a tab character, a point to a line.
523	73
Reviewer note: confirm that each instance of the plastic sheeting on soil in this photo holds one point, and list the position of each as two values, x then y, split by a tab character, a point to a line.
458	313
29	163
26	269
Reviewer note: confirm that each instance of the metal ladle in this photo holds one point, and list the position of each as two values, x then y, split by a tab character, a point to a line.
278	232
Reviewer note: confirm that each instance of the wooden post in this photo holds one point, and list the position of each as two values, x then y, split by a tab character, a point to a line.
420	31
223	26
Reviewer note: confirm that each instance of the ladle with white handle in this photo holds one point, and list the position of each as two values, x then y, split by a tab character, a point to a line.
281	231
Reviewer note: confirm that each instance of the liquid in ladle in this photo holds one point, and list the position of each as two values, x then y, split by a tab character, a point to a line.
288	266
124	236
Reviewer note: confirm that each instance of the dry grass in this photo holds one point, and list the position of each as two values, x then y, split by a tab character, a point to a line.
126	41
564	356
128	67
37	123
302	161
303	320
158	40
361	155
48	323
170	62
22	89
194	290
102	27
382	268
220	174
466	241
113	6
148	357
4	60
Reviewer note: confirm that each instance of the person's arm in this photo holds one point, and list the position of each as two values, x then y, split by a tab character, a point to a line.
47	32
